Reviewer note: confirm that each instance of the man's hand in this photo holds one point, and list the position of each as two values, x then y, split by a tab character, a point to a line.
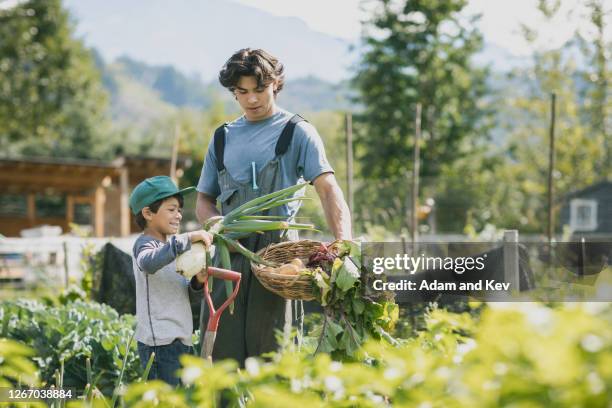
336	211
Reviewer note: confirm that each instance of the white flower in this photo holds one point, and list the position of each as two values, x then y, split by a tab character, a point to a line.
468	345
596	385
391	373
335	366
443	372
333	383
149	395
500	368
190	374
416	379
296	385
252	366
375	398
591	343
595	308
539	316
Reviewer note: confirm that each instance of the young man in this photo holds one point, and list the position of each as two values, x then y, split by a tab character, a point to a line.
265	150
163	311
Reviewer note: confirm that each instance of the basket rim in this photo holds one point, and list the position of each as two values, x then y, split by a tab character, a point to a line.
261	253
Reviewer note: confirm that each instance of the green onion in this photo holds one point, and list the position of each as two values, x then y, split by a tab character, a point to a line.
226	263
238	211
244	221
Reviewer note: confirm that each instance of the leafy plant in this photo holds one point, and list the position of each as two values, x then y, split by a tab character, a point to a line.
16	366
351	316
71	334
517	354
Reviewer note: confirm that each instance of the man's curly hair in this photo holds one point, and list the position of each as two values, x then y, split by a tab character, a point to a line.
257	63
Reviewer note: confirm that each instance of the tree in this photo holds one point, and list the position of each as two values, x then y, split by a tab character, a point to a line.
415	51
579	152
597	104
51	98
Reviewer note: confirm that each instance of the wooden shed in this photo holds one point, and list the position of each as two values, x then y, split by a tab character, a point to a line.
588	212
50	191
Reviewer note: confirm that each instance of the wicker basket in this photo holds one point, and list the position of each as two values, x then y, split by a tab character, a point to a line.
295	287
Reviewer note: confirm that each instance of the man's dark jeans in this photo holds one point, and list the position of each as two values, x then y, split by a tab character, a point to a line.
166	361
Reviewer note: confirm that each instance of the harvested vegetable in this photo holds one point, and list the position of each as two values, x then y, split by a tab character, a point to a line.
240	223
193	261
288	269
350	316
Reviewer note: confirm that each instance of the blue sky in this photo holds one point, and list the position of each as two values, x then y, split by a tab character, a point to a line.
499	24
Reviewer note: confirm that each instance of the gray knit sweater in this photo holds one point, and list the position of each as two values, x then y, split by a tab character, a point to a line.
163	310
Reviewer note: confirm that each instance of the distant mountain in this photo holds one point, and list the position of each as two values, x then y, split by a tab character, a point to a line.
311	94
142	95
197	36
499	58
173	87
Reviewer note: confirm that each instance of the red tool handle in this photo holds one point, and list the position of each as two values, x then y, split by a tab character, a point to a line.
214	315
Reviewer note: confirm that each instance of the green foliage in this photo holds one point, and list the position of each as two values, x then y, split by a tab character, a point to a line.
507	183
72	333
415	52
91	263
517	354
330	126
463	202
597	106
579	150
523	354
51	98
16	366
351	314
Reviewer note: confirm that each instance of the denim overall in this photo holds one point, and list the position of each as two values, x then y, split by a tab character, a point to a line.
258	313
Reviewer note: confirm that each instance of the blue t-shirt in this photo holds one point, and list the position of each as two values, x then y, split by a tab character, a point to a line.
247	142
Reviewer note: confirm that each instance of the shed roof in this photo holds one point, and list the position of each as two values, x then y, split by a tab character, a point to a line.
65	175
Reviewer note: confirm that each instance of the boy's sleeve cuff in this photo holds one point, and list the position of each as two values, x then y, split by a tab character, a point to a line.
195	285
182	243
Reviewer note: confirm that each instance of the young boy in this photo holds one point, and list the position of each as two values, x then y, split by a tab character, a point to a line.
163	311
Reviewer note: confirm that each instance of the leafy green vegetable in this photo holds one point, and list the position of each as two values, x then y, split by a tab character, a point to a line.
73	333
347	274
321	280
351	317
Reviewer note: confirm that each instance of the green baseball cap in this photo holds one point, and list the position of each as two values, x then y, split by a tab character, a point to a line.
153	189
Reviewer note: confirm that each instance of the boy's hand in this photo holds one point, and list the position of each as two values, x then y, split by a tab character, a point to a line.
201	277
201	235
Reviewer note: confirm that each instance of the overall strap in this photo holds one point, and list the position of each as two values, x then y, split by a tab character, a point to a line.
285	138
220	145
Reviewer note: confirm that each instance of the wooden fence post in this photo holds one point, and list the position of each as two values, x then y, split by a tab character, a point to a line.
511	259
551	169
414	224
349	161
